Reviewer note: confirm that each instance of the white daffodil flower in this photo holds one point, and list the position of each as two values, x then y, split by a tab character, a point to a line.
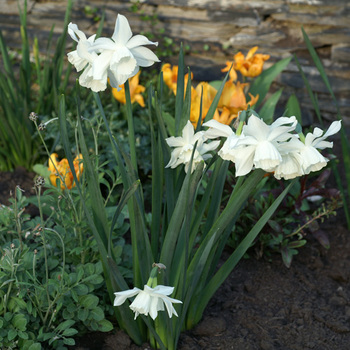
312	159
217	129
259	144
291	165
121	56
301	158
82	58
149	300
184	146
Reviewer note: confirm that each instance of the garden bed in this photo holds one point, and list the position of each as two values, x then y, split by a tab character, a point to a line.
262	305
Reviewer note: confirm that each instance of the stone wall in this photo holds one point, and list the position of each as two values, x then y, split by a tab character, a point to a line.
216	29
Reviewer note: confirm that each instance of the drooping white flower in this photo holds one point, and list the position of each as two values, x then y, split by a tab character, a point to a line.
122	55
291	165
259	145
301	158
217	129
184	146
149	300
82	58
312	159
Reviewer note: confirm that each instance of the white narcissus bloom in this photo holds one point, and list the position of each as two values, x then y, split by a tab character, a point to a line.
149	300
259	144
82	58
122	55
256	146
217	129
300	158
312	159
118	58
184	146
290	167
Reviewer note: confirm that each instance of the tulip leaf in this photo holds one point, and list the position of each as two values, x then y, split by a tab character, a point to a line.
215	102
344	139
293	108
262	83
180	88
267	111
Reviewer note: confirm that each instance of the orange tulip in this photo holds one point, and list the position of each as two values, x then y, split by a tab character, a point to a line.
170	77
233	73
250	66
63	170
135	91
232	101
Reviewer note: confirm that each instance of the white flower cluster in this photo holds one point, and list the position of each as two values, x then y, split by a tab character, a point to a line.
274	148
117	58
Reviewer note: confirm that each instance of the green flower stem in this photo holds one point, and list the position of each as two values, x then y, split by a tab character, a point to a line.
152	281
302	137
18	222
239	129
42	234
131	129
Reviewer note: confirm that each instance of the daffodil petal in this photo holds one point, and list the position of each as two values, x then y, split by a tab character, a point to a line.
144	56
120	297
139	40
122	31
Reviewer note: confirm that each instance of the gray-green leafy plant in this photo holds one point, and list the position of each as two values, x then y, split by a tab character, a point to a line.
45	282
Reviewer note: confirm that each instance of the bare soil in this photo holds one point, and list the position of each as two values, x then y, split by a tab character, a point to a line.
262	305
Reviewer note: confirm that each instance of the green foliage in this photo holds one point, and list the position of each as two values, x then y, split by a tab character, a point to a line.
50	273
296	218
32	87
344	139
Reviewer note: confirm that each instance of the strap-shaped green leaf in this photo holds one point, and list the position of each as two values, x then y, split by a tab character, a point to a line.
206	294
262	83
268	109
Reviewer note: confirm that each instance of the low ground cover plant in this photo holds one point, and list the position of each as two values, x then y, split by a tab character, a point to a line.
144	189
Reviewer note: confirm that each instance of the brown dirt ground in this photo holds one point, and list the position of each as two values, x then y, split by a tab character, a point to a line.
262	305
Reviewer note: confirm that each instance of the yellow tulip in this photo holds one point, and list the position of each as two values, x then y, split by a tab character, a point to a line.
61	169
209	93
135	91
170	77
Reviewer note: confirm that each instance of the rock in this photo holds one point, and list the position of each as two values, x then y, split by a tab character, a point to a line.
340	52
